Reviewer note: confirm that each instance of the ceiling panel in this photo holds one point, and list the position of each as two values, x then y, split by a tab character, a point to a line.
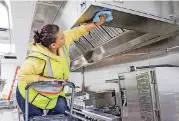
22	9
22	13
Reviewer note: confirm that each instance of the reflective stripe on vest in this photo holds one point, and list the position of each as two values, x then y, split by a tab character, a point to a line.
49	67
66	56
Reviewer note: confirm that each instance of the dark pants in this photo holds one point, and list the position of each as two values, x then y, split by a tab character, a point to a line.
60	107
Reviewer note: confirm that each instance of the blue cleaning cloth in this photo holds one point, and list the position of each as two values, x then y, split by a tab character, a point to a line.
106	11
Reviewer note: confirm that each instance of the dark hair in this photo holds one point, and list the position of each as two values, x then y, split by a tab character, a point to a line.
47	35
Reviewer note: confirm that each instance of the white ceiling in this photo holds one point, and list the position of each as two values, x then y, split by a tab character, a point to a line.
22	14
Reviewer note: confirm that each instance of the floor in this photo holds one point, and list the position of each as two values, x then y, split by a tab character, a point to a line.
9	115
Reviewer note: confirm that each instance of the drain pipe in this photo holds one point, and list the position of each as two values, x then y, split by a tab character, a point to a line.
83	80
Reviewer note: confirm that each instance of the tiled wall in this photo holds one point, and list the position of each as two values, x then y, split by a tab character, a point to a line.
95	77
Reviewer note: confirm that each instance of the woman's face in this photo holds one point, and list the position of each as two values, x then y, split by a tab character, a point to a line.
60	40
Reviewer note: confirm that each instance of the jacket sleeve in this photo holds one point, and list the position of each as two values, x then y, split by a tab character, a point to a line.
74	34
30	70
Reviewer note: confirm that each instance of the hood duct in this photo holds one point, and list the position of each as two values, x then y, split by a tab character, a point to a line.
126	32
45	13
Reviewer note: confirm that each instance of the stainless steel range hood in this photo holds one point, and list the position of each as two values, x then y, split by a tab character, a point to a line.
130	21
126	32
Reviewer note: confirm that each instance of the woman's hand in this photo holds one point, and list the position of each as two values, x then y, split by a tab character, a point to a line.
51	79
42	78
90	26
102	20
60	80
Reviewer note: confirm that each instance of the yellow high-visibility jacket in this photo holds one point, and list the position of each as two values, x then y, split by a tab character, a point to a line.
35	65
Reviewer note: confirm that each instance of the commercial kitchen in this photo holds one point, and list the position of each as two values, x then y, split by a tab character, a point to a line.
125	69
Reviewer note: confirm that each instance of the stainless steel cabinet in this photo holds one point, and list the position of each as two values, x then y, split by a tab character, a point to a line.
150	94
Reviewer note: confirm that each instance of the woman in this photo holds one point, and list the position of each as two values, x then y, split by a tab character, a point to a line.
50	47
